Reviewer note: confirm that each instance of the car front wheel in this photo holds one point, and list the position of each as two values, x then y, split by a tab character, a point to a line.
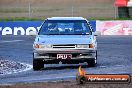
93	61
37	64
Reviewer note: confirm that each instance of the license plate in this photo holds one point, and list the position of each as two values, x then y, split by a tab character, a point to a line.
64	56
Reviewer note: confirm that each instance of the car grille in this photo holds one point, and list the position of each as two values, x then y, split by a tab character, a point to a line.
64	46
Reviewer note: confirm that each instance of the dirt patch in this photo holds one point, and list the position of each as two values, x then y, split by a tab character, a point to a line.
67	84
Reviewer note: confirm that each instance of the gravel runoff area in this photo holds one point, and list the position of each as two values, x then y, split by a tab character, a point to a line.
10	67
68	84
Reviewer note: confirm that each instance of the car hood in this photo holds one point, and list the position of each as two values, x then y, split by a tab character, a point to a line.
64	39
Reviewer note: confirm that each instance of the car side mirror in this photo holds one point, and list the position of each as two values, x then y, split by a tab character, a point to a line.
97	33
32	33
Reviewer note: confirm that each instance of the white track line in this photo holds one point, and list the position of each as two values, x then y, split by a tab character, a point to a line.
11	41
102	66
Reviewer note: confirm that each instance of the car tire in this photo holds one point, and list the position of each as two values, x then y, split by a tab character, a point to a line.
91	63
37	64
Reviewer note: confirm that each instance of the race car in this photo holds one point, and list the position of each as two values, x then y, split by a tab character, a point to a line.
69	40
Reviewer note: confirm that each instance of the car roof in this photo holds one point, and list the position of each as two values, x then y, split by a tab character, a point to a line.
66	18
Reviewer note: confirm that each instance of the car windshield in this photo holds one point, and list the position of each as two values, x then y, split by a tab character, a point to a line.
65	27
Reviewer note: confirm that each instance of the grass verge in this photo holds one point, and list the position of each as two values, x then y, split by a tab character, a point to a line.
41	19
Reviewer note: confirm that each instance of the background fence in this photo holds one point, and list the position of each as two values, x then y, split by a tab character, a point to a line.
50	8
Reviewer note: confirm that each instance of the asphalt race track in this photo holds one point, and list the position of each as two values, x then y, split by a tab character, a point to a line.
114	57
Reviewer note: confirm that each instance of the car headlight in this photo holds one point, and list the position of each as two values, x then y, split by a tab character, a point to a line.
42	46
45	46
82	46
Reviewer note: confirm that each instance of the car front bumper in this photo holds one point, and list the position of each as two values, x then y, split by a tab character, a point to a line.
78	55
43	51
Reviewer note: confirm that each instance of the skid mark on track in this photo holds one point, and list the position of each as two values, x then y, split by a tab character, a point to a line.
111	66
